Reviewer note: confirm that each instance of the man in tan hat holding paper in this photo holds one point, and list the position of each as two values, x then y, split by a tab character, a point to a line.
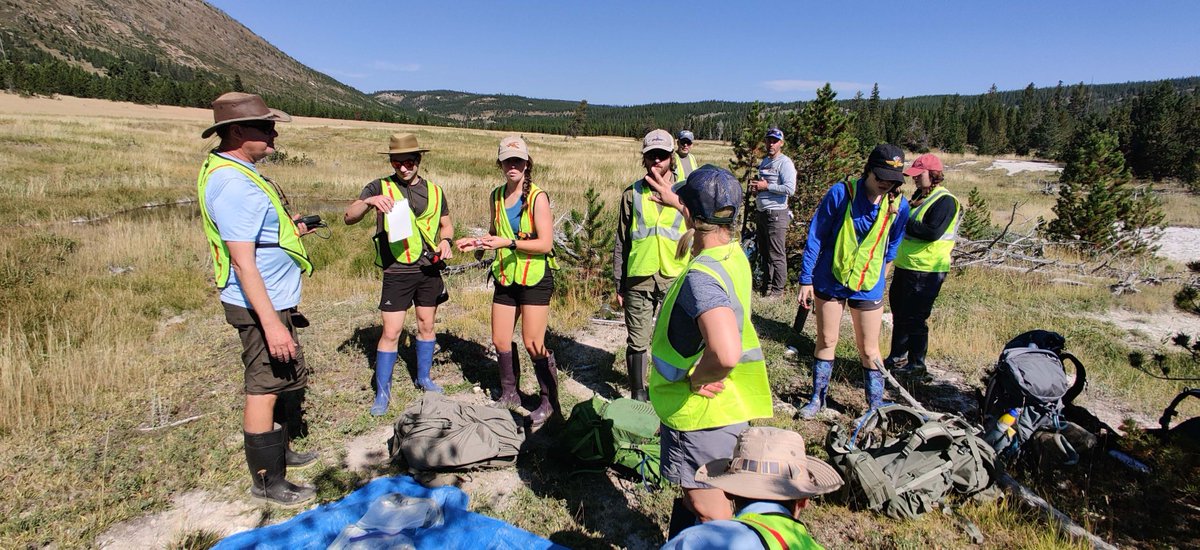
258	259
770	479
412	240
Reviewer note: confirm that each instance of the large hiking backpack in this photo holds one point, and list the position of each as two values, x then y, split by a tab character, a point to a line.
901	461
436	433
1026	393
622	434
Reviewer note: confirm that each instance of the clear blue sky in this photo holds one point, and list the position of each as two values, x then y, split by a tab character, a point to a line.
627	52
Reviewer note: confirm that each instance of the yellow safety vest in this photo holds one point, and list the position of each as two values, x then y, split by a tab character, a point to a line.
858	265
929	256
779	532
424	226
747	393
654	233
683	166
289	234
514	266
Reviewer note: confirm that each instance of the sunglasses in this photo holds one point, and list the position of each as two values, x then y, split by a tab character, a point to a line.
264	127
405	162
656	155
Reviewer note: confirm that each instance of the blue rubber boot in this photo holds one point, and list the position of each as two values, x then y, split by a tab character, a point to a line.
384	362
424	364
873	383
822	370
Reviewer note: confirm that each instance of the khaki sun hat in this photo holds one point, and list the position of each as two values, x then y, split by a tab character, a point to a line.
512	147
770	464
240	107
398	144
658	139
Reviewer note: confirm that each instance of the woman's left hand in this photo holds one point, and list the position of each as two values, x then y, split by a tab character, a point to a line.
492	242
709	390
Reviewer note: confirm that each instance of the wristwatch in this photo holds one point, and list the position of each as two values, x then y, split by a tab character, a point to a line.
512	244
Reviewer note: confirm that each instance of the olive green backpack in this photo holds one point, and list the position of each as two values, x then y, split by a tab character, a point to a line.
622	434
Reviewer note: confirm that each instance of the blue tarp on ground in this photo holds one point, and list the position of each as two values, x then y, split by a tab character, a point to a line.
318	527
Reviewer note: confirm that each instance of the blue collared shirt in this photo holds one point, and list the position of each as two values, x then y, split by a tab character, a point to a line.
725	533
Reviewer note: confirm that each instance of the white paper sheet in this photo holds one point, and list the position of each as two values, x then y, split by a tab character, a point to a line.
399	221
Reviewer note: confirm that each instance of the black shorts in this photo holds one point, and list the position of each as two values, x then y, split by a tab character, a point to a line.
265	374
859	305
518	295
402	290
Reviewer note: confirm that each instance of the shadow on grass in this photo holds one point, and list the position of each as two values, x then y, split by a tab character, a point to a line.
588	365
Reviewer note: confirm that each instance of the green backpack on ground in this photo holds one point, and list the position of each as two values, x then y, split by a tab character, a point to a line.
901	461
622	434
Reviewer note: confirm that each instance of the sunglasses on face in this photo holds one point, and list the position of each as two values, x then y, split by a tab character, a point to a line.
264	127
656	155
408	162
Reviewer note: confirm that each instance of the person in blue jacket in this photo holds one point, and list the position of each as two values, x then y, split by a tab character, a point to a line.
852	238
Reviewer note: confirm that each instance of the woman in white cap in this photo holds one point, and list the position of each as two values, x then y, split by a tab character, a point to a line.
769	479
921	265
709	378
522	234
644	260
853	236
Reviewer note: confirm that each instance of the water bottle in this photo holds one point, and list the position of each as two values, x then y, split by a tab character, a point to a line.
1003	433
381	527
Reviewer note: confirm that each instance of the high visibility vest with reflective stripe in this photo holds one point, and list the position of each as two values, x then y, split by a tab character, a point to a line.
929	256
747	394
514	266
779	532
683	166
289	234
858	265
424	225
654	233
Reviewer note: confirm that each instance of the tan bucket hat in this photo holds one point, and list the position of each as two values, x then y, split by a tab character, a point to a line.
512	147
658	139
770	464
239	107
398	144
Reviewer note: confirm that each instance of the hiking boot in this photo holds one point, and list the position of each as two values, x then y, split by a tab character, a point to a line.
509	365
635	362
822	370
546	371
874	387
265	456
385	361
425	364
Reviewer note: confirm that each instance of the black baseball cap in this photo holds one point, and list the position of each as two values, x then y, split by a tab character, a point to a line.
709	190
887	162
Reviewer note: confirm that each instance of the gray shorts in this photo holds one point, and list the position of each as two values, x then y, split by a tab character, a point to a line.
685	452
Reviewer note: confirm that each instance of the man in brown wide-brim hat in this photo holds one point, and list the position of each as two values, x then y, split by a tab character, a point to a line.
411	257
258	259
770	479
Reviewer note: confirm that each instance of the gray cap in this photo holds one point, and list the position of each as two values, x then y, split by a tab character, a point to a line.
658	139
685	135
709	190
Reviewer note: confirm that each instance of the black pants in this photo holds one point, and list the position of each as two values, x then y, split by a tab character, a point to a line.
772	251
911	296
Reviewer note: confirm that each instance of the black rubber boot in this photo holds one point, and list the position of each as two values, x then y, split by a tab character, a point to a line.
268	469
546	371
635	363
290	417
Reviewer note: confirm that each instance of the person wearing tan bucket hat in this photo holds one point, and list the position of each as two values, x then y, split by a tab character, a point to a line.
522	235
411	258
258	260
770	479
644	254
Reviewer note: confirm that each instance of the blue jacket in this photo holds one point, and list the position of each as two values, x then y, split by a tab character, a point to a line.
817	269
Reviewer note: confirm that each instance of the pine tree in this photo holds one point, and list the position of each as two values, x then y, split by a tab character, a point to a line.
1154	145
952	133
591	239
579	121
824	150
237	83
976	221
1097	208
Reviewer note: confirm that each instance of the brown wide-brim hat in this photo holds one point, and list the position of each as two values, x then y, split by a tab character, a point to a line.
770	464
399	144
241	107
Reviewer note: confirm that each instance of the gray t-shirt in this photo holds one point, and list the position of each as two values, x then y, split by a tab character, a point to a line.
699	293
417	194
780	173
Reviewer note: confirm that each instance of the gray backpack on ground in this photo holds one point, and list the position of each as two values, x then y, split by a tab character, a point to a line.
901	461
437	433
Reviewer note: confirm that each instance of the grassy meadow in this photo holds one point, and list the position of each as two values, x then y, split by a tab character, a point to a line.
114	325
